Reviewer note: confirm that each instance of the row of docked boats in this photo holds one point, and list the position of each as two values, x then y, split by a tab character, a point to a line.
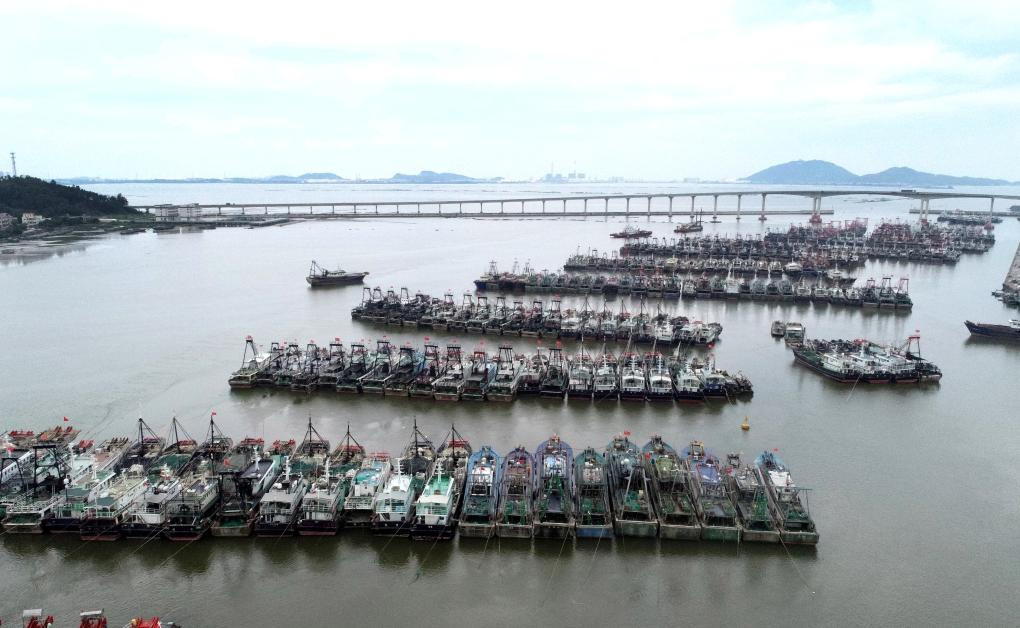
476	315
836	289
863	361
37	618
310	488
407	371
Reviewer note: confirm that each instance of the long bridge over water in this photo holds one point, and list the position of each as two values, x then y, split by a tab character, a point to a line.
593	205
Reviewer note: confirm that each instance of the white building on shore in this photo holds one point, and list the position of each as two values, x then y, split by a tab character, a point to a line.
30	220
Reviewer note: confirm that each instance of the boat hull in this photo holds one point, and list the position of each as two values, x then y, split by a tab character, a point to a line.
793	537
759	536
476	530
63	526
679	532
628	527
318	528
594	532
140	530
720	533
357	518
274	530
423	532
549	530
512	531
390	528
237	531
447	396
185	533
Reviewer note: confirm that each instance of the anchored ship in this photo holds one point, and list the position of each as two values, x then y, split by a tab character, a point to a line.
633	513
437	509
481	493
594	513
712	499
554	494
672	492
319	276
515	518
394	508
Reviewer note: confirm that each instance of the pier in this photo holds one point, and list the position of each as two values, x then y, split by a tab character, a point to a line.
1012	282
578	206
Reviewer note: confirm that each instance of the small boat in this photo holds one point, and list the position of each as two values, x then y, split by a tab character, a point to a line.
788	501
606	382
633	513
580	376
752	501
630	232
481	494
368	482
633	384
715	508
532	374
689	227
437	509
794	332
672	492
778	329
516	515
319	276
687	385
992	330
660	383
554	495
479	376
393	511
594	517
554	384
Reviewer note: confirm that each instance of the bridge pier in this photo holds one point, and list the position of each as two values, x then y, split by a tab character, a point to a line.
671	209
762	218
715	205
607	207
564	206
501	207
543	206
991	207
585	207
648	208
739	198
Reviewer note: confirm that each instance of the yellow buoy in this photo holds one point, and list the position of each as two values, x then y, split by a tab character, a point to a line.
745	425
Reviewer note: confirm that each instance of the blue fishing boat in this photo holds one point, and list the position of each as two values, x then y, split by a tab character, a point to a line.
481	493
554	497
712	494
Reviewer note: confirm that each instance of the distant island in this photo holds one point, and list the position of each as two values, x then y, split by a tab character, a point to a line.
31	203
425	176
818	172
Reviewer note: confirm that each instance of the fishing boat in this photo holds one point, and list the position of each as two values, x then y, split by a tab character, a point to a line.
438	507
631	232
479	376
423	384
368	482
715	508
633	384
394	509
381	367
794	332
778	329
253	364
689	227
580	376
594	513
509	369
606	382
190	514
751	498
554	493
145	450
788	502
629	486
853	361
409	364
993	330
672	492
532	374
554	383
99	463
516	491
481	494
103	517
322	507
349	379
146	516
450	386
319	276
660	382
280	506
245	475
687	384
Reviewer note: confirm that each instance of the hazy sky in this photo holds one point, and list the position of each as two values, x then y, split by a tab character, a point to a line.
665	90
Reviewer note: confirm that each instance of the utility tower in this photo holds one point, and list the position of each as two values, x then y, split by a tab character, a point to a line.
14	166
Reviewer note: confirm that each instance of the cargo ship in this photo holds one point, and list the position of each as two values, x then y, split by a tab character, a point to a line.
853	361
992	330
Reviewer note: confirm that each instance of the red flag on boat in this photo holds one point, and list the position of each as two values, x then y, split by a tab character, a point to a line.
226	462
213	413
66	419
626	433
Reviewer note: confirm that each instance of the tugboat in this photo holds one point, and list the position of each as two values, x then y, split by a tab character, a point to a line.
368	482
554	498
594	514
516	515
672	492
478	516
319	276
245	474
280	506
450	386
633	514
393	512
992	330
785	501
437	509
714	506
751	497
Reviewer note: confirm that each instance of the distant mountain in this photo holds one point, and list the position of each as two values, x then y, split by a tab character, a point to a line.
817	172
814	171
425	176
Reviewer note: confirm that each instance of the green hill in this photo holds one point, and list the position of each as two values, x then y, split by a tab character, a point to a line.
50	199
